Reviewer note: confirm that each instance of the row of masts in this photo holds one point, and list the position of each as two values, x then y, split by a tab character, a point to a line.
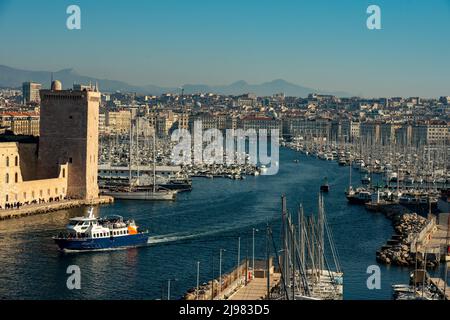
130	157
310	263
420	157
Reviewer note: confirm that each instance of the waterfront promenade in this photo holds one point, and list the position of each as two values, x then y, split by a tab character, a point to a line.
256	289
43	208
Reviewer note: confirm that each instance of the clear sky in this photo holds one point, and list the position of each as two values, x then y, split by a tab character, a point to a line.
316	43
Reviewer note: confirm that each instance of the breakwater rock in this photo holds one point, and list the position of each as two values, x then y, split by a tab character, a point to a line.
397	250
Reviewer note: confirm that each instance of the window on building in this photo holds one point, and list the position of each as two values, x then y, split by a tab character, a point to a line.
64	173
7	161
16	177
7	178
16	161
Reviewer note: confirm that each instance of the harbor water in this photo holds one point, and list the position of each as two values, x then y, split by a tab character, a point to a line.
194	228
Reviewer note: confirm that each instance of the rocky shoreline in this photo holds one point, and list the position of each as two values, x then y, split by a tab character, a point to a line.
397	250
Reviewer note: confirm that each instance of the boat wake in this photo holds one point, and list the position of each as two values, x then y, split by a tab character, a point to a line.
170	238
199	234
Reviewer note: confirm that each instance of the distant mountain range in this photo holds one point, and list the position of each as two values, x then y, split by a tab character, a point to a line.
11	77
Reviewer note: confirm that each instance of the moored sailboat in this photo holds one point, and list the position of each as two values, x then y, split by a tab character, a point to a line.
136	192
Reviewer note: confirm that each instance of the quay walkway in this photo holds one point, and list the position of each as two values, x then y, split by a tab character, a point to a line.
435	241
239	284
47	207
256	289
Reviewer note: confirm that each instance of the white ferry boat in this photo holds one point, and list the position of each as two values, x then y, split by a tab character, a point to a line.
96	234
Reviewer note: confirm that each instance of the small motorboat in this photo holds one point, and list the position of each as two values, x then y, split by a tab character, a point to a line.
325	187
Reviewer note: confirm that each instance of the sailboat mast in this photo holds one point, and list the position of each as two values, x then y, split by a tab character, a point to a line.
137	147
447	252
293	258
301	234
109	158
130	151
320	242
350	176
313	251
283	236
154	161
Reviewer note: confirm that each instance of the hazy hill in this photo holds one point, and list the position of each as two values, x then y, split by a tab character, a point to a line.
11	77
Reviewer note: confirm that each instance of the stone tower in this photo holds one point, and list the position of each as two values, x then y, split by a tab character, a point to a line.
69	134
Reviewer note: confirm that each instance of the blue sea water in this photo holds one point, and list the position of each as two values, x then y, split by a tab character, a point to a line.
195	228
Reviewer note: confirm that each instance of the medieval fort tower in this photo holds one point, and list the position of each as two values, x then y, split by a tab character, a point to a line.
69	134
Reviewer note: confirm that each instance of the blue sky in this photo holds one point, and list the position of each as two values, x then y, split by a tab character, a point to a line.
321	44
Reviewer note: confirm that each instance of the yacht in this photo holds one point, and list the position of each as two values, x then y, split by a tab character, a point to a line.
358	196
365	179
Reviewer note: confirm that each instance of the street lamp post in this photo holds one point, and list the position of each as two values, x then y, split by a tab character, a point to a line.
198	277
168	287
220	271
253	253
239	261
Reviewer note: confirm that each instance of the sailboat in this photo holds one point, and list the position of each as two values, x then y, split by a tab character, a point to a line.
135	192
310	268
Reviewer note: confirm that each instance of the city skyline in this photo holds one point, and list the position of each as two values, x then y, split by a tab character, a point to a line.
325	45
239	152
